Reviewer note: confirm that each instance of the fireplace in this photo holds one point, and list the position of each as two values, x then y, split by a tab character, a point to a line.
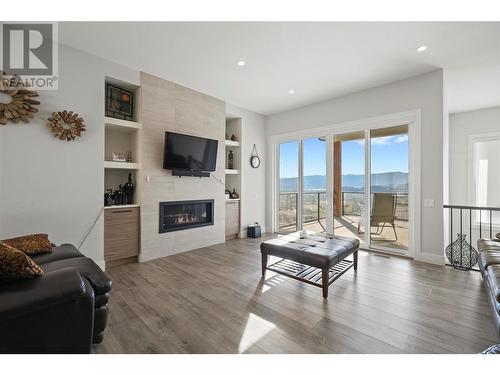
180	215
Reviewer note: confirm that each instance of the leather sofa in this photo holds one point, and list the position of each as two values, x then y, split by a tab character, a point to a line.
489	264
63	311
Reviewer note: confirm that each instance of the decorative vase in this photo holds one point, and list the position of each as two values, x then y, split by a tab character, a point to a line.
461	254
234	194
128	190
230	160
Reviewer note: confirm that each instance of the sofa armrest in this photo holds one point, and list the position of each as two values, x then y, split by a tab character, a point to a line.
25	296
53	313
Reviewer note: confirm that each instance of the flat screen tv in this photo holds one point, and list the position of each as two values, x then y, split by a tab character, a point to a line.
188	153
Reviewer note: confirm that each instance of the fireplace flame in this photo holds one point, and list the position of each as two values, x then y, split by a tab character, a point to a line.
185	218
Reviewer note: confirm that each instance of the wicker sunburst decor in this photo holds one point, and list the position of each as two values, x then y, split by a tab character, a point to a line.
66	125
19	105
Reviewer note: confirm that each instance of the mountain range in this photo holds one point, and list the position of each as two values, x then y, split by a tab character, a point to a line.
381	182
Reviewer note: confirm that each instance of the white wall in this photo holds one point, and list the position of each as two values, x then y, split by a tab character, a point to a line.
253	180
462	125
54	186
424	92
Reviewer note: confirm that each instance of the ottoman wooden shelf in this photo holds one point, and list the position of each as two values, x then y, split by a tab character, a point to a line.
316	259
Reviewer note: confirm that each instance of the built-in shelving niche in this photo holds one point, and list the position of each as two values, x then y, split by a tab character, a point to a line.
121	222
122	136
233	178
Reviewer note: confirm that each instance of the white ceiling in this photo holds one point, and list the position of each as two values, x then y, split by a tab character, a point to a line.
317	60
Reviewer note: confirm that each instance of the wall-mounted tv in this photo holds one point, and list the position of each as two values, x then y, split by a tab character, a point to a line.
188	153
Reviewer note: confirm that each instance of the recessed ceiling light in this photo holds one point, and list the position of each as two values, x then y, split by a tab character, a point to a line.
291	91
241	63
421	48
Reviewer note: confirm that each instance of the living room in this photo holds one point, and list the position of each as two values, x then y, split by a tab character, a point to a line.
250	187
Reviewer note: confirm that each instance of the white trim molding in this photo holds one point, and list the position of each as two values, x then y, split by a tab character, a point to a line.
436	259
471	178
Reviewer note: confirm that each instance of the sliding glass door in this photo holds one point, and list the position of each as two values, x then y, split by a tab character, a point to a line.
349	185
314	184
288	197
353	184
389	188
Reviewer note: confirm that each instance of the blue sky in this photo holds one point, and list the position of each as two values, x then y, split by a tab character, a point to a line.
389	154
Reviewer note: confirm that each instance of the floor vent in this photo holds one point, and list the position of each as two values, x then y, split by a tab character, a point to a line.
382	256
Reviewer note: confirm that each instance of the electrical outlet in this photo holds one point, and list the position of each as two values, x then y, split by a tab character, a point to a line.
428	202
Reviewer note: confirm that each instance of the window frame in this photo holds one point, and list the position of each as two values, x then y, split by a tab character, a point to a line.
471	172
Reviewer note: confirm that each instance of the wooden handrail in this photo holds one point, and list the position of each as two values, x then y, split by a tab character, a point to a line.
471	207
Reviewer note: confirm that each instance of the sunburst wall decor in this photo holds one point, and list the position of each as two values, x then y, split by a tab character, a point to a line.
66	125
16	100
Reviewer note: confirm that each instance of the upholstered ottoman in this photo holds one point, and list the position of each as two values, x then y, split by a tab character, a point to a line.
316	259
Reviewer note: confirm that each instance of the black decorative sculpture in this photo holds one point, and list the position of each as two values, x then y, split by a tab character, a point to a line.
128	190
124	194
108	198
461	254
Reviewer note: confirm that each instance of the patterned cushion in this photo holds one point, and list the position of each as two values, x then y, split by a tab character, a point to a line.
15	265
31	244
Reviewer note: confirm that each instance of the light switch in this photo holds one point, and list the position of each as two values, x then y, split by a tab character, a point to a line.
428	202
148	178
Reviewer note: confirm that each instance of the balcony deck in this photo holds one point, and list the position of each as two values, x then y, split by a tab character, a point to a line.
347	225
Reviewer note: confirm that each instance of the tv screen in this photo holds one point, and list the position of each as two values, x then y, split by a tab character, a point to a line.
189	153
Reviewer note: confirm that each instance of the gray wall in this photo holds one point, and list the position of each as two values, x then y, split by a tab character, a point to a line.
461	126
54	186
424	92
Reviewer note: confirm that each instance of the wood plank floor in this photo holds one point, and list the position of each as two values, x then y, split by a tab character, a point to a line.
212	300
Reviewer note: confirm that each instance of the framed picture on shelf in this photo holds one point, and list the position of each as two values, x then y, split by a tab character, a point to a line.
119	156
119	102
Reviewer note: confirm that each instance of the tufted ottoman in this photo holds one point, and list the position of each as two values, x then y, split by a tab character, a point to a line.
316	259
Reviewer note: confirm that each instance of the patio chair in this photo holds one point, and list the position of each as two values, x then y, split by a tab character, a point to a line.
383	213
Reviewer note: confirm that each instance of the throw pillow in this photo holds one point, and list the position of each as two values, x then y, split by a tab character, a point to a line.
15	265
31	244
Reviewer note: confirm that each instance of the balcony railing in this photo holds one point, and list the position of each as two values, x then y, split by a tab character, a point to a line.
314	206
467	224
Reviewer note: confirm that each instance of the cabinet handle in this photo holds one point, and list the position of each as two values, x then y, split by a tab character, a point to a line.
123	211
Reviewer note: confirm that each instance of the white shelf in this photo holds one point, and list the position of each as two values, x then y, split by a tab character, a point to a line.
232	200
121	165
232	171
121	206
230	143
121	125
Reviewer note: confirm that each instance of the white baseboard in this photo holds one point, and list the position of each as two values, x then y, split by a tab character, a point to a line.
431	258
101	264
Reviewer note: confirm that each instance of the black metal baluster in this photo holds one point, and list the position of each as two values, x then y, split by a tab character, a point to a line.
480	223
470	238
451	234
491	233
461	239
